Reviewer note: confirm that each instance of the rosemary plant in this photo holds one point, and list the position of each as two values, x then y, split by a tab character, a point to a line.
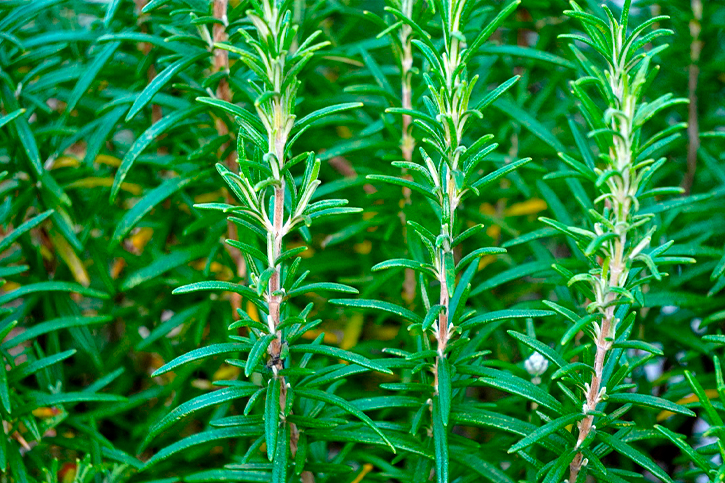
112	116
448	174
273	205
616	246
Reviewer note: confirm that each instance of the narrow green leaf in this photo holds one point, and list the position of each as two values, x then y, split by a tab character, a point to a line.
545	430
539	347
44	287
337	353
440	441
522	117
526	389
445	391
638	345
406	183
24	370
380	305
201	353
504	314
144	141
322	286
23	228
527	53
626	450
680	441
53	325
150	200
310	119
10	117
160	81
646	400
198	403
712	414
255	354
328	398
202	438
271	417
5	390
89	75
41	400
279	469
163	264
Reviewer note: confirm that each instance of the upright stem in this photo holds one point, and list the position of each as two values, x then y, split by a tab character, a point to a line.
442	336
221	63
622	188
275	301
221	56
693	128
450	190
145	47
279	122
407	144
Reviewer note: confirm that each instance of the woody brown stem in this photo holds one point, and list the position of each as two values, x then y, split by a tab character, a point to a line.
693	128
145	47
622	188
617	278
407	144
220	62
586	424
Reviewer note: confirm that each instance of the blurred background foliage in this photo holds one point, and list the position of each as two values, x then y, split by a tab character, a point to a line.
105	151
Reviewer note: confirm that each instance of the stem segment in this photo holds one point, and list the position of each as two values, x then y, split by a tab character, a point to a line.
407	143
221	63
614	274
693	128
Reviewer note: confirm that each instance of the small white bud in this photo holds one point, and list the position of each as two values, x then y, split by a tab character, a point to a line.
669	309
536	365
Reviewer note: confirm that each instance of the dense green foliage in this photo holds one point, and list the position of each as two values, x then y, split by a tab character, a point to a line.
362	240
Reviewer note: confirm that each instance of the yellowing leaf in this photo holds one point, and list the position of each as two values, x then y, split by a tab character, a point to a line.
487	209
140	238
117	268
353	329
367	468
329	338
363	248
486	261
107	182
66	162
9	287
222	271
252	312
69	256
45	412
203	384
494	231
226	373
209	197
108	160
529	207
711	393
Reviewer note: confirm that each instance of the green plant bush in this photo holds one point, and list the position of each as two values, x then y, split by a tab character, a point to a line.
358	241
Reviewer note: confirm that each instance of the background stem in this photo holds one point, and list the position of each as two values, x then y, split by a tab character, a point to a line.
221	63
